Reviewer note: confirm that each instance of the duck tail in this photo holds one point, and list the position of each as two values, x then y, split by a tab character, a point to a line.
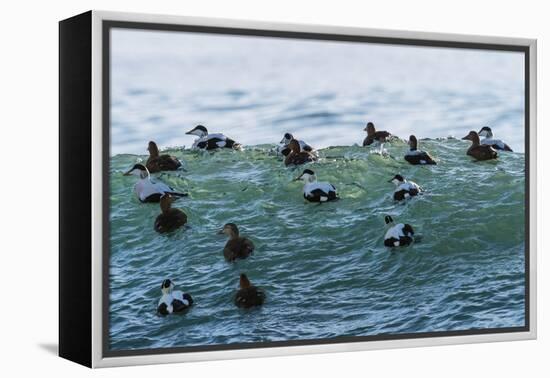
176	194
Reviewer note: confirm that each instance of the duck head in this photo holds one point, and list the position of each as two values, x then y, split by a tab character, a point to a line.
397	180
370	128
244	282
294	146
472	135
199	131
413	142
166	202
167	286
230	229
138	170
286	139
486	132
153	149
307	176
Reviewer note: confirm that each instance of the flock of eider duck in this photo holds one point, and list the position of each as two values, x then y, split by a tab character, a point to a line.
295	152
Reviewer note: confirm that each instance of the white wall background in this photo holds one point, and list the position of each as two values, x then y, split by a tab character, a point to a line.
28	187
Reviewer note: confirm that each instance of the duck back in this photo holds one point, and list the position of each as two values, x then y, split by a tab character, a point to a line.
170	221
249	297
162	163
238	248
482	152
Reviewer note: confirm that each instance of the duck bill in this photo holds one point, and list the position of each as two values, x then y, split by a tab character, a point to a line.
298	178
127	173
467	137
219	232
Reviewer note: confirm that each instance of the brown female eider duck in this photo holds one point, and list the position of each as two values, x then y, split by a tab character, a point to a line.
157	162
170	219
207	141
248	295
172	301
479	151
237	247
296	156
373	135
284	150
488	139
397	235
315	191
148	190
404	188
418	157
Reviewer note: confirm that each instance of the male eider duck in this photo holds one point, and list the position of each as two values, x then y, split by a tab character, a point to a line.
172	301
170	219
147	190
157	162
315	191
296	156
207	141
479	151
488	139
398	235
418	157
236	247
284	150
404	188
248	295
375	136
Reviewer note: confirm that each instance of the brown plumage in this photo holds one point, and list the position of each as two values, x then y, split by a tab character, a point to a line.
170	219
296	156
236	247
157	162
248	295
479	151
373	135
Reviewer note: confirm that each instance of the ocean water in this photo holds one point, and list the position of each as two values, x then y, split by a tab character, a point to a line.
324	267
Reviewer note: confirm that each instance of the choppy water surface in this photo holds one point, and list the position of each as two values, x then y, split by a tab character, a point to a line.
324	267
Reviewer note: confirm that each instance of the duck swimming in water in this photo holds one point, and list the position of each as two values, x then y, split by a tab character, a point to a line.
158	162
284	150
479	151
172	301
237	247
170	219
315	191
148	190
375	136
248	295
418	157
296	156
398	235
489	140
404	188
207	141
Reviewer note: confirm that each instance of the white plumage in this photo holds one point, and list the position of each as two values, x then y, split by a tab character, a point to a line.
145	187
491	142
168	298
396	232
407	186
206	138
325	187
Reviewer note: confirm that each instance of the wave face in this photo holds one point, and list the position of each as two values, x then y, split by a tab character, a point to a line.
324	267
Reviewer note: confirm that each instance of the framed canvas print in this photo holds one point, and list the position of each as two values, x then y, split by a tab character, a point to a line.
232	189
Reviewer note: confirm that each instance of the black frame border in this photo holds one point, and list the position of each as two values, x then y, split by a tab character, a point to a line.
108	25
